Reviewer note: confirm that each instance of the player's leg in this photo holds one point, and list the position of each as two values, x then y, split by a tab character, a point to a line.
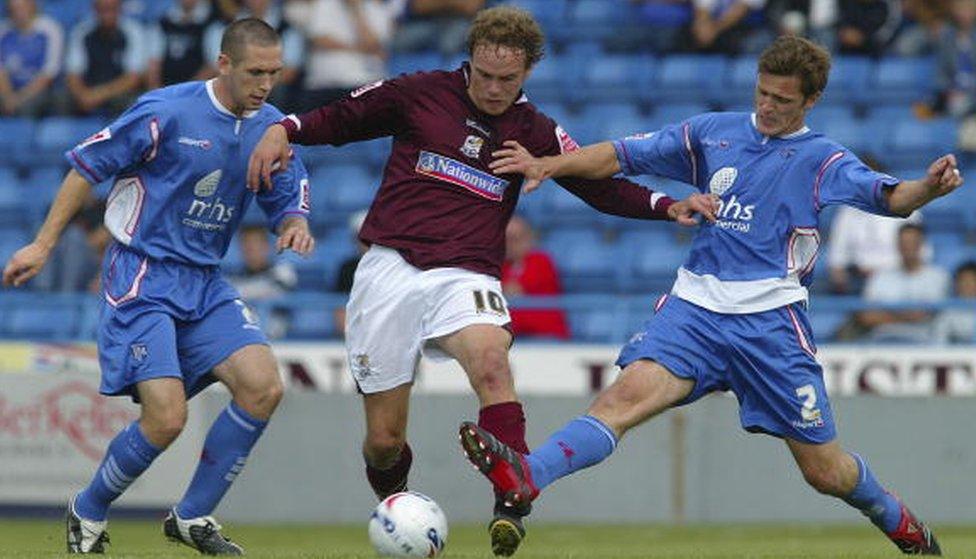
482	351
138	357
833	471
225	344
129	454
386	452
383	336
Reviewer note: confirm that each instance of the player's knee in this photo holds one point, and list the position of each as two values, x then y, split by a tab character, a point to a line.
493	371
824	478
161	427
261	400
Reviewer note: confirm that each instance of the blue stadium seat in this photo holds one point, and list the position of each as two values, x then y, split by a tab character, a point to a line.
824	324
552	80
550	14
13	199
848	81
915	142
319	271
613	121
409	62
342	189
600	325
740	82
652	258
146	11
857	134
903	80
673	113
829	115
16	138
44	319
310	324
69	12
688	78
57	134
563	208
40	188
948	214
586	263
617	77
12	237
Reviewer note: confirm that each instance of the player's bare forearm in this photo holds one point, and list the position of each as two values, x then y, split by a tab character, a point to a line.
29	260
72	195
597	161
941	178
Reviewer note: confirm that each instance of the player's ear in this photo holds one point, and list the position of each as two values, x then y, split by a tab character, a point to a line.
811	101
224	63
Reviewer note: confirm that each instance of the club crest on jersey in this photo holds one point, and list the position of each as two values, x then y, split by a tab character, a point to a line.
722	180
472	146
477	126
454	172
207	185
100	136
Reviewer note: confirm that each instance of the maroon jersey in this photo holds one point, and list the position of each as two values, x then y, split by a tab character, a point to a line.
439	204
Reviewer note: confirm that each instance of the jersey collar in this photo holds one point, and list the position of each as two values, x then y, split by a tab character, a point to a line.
219	106
789	136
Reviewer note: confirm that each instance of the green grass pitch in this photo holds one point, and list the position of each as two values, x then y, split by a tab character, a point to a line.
41	539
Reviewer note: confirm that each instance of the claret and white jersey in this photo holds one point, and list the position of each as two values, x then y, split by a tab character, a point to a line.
760	253
178	159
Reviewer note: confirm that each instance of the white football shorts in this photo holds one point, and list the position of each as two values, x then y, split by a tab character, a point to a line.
395	310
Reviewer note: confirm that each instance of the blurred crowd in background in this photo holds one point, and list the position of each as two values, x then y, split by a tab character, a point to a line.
72	64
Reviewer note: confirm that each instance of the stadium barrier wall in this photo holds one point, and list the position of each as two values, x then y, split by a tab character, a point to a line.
693	465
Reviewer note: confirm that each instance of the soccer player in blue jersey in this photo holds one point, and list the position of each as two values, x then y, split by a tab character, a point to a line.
170	325
736	316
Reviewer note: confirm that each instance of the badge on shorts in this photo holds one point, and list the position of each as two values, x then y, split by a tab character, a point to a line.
360	366
139	352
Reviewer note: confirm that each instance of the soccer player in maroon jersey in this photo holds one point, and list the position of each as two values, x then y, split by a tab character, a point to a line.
436	230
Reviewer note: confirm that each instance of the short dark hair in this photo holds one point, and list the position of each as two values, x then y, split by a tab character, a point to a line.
510	27
247	31
968	266
790	55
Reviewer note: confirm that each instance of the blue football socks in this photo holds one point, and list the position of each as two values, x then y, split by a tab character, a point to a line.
581	443
128	455
870	498
225	451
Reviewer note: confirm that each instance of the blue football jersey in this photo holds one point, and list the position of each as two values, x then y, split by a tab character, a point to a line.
178	161
760	253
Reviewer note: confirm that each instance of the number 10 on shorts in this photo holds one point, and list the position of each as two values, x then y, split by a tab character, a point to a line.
487	300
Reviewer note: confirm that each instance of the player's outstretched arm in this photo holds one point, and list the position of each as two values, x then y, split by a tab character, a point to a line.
271	154
941	178
685	212
29	260
293	233
597	161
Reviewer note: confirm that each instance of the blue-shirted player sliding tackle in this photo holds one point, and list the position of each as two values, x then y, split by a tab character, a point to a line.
170	324
736	316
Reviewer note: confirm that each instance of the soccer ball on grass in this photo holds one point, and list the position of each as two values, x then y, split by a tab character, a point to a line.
408	524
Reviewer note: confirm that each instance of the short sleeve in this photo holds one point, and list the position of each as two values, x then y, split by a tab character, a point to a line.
130	140
290	195
670	152
843	179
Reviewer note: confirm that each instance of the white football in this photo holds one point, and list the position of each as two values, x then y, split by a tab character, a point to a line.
408	524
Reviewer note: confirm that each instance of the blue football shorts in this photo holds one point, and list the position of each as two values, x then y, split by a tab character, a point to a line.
167	319
766	359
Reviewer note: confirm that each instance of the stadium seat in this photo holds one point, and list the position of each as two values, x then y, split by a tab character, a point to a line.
915	142
848	81
551	14
651	260
13	199
824	324
617	77
563	208
44	319
673	113
948	214
146	11
821	118
409	62
16	138
57	134
586	263
552	80
339	190
611	121
685	78
310	323
598	325
740	82
12	237
855	134
40	188
902	81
